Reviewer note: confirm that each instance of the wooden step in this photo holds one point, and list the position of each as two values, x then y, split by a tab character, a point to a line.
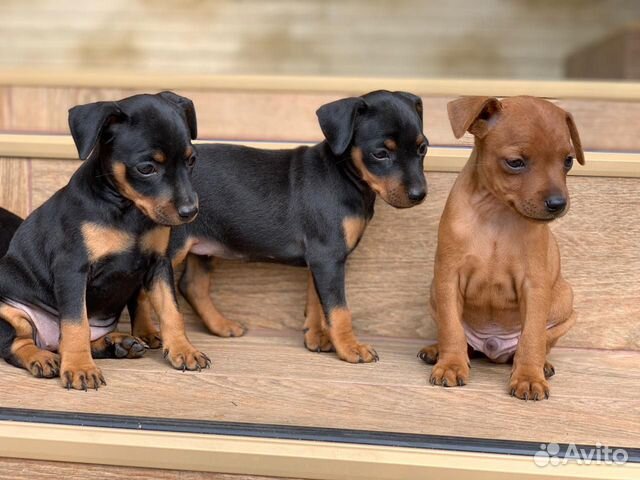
269	378
283	109
20	469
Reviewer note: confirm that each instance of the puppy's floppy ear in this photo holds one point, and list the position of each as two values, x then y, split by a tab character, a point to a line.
473	115
87	123
575	138
187	107
414	99
337	121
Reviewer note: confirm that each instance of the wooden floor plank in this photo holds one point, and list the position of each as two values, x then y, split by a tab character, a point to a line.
268	377
18	469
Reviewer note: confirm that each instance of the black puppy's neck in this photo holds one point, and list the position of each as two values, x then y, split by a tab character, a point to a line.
100	179
345	165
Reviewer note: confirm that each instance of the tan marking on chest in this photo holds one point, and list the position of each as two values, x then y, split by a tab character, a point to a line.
353	229
156	240
101	241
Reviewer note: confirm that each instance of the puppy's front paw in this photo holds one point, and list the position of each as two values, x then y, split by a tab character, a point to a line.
450	373
317	340
528	384
81	375
357	353
184	356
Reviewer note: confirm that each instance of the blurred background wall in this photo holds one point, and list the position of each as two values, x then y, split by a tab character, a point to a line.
533	39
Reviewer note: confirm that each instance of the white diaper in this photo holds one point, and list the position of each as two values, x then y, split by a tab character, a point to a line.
47	325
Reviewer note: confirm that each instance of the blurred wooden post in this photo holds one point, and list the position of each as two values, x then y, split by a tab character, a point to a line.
616	56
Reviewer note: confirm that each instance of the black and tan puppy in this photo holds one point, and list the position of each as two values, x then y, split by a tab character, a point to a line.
76	261
307	206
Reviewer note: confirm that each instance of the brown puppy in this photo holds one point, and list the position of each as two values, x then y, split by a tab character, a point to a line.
497	286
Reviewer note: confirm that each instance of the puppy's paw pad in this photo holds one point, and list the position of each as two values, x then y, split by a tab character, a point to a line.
82	377
358	353
429	354
45	364
317	341
529	387
450	374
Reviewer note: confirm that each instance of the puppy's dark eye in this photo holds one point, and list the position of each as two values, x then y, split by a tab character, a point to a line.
191	161
568	163
380	154
146	168
422	149
516	164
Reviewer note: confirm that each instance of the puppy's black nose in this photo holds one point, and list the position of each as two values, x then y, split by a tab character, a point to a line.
188	211
416	194
555	204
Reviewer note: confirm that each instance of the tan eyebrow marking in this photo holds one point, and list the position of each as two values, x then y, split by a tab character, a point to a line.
390	144
420	140
188	152
159	157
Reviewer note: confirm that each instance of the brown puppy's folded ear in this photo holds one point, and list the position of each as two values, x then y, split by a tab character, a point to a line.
472	114
337	121
87	123
575	139
188	109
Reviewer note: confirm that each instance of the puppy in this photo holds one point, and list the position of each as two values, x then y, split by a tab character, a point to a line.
497	285
77	260
307	207
9	223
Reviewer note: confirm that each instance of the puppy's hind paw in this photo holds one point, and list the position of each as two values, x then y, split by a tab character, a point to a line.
45	364
317	341
429	354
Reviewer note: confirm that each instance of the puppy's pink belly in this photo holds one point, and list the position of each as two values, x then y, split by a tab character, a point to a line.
212	248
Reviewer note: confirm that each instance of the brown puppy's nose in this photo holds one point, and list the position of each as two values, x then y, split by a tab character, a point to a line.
416	194
555	204
188	211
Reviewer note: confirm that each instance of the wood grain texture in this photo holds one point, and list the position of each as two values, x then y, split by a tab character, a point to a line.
253	377
290	116
14	185
390	272
130	79
19	469
5	108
